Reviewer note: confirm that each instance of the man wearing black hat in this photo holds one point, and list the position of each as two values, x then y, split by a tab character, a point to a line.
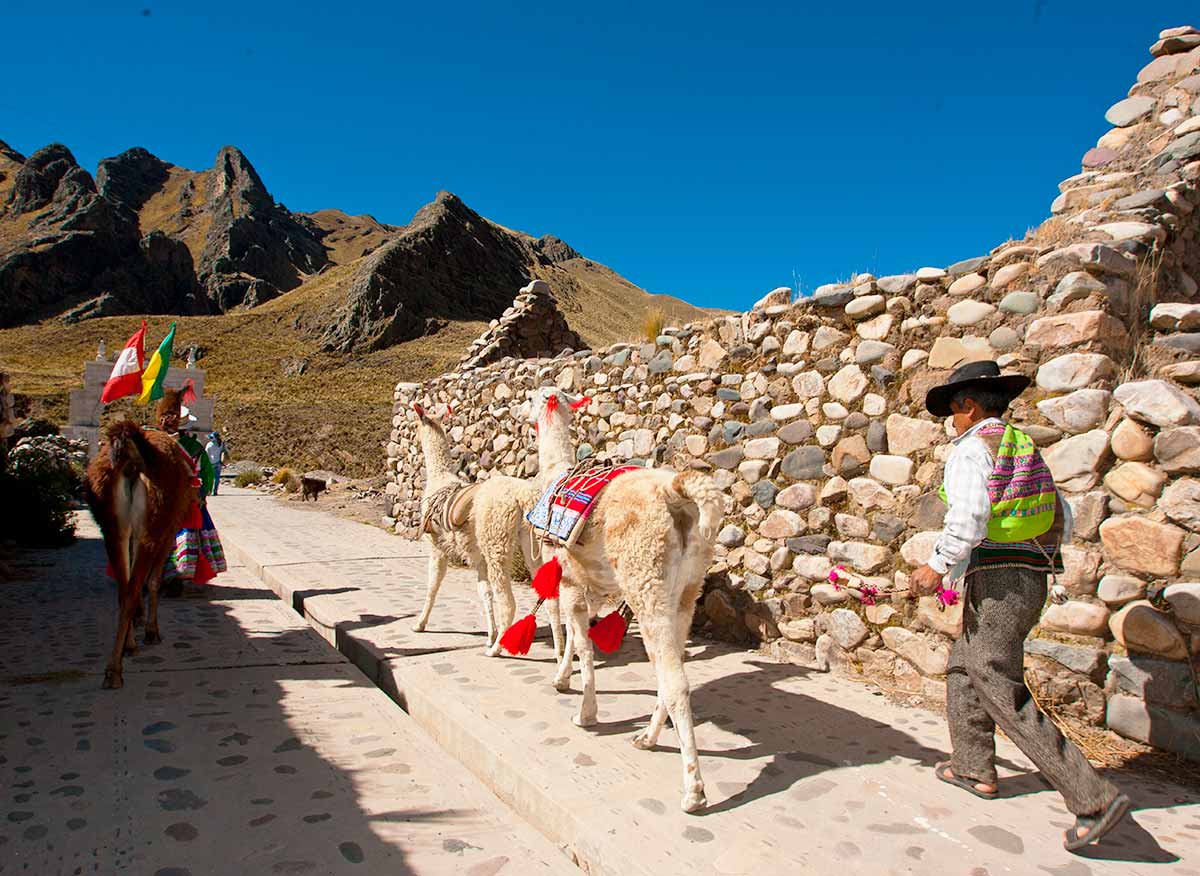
1005	522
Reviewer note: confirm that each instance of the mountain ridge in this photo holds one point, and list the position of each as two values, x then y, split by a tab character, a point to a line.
148	236
301	360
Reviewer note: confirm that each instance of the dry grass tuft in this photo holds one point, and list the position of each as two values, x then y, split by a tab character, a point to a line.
249	478
1145	296
288	478
653	321
1055	231
1106	750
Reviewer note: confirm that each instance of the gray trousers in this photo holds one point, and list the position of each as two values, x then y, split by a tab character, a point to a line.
985	688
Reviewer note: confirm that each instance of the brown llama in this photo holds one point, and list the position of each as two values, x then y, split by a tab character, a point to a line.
139	488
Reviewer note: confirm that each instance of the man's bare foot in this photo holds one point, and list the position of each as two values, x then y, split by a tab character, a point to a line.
983	790
981	787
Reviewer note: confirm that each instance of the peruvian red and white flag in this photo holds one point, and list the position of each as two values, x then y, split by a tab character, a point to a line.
126	377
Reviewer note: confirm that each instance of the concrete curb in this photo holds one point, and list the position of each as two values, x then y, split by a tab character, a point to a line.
450	725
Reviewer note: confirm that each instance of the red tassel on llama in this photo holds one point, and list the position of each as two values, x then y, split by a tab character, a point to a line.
547	578
518	638
608	632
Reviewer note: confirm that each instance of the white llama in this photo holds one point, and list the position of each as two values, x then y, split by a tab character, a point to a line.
479	525
648	541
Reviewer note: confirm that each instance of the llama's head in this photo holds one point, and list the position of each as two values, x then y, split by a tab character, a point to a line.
549	403
169	410
429	423
435	446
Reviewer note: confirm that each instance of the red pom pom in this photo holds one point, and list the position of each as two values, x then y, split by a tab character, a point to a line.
547	578
581	402
608	632
518	638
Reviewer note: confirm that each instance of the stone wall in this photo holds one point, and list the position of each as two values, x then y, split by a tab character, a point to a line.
810	414
533	326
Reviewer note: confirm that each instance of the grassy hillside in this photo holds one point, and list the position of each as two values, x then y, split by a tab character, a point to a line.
280	400
336	414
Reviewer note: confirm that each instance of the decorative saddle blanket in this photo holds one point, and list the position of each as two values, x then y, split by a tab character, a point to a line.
560	513
449	507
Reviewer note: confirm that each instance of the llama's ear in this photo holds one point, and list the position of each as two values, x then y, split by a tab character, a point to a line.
449	413
419	410
582	402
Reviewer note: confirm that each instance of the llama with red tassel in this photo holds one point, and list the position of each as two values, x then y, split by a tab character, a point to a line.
645	541
479	525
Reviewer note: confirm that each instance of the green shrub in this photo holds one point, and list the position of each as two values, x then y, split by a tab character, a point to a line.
249	477
292	484
39	487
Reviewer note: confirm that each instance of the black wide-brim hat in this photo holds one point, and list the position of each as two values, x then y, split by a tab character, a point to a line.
980	375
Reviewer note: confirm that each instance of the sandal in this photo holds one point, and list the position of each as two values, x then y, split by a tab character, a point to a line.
1097	825
965	784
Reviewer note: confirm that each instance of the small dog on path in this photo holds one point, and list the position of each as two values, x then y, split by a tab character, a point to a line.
311	487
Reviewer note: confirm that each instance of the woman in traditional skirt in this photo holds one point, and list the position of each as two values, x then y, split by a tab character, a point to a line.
198	556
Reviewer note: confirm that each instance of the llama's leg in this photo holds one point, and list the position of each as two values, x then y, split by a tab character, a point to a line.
112	673
587	666
673	690
436	571
555	611
533	559
499	561
489	616
648	738
562	677
153	636
148	567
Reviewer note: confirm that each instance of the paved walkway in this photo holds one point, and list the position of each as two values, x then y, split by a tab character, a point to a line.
804	771
243	744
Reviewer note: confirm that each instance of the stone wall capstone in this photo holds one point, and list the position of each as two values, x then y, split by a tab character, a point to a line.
810	414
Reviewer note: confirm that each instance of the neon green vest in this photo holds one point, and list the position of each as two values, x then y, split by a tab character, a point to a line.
1020	487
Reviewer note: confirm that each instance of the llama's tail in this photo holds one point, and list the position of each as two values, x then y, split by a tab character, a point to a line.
699	490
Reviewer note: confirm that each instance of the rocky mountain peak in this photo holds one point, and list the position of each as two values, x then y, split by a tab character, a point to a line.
555	249
448	263
131	178
254	250
11	154
42	175
235	179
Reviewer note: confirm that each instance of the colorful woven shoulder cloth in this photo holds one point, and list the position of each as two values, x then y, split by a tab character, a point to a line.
1020	488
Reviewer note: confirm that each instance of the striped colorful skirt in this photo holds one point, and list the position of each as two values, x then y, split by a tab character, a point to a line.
198	556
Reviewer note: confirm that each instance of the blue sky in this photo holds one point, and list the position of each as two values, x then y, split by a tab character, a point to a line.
711	151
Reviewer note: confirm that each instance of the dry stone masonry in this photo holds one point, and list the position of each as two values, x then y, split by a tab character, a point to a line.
532	327
810	415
